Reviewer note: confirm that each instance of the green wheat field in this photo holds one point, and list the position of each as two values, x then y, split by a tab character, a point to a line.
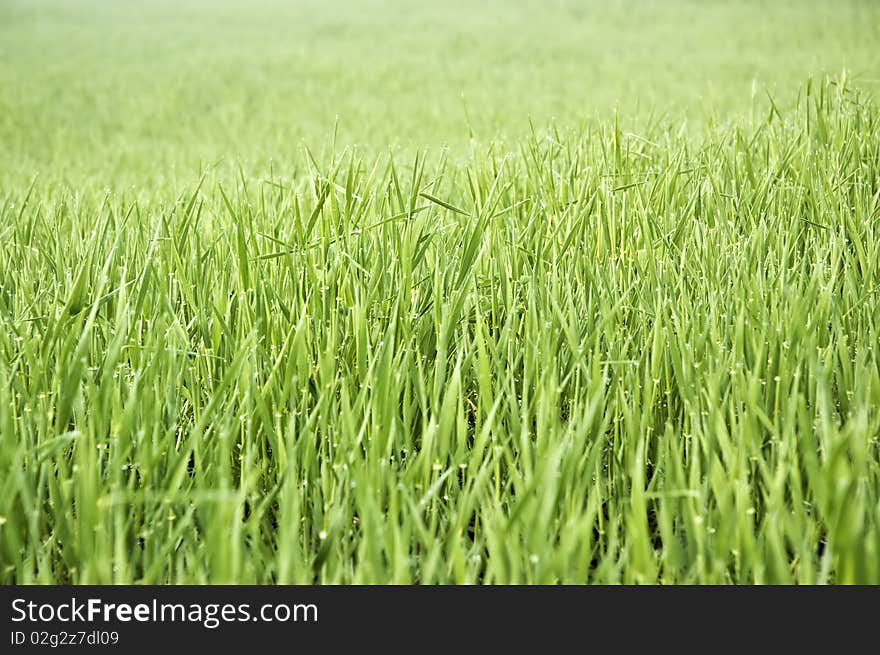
439	292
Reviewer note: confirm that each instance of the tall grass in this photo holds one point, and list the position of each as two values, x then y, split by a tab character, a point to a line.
591	356
122	94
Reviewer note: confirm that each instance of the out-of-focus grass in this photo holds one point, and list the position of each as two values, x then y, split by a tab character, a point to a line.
119	93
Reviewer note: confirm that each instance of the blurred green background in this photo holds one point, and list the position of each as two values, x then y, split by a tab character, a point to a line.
141	93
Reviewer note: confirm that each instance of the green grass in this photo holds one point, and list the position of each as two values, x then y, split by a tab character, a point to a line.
120	93
630	346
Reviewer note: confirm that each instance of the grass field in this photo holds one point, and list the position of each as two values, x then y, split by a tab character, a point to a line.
372	292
